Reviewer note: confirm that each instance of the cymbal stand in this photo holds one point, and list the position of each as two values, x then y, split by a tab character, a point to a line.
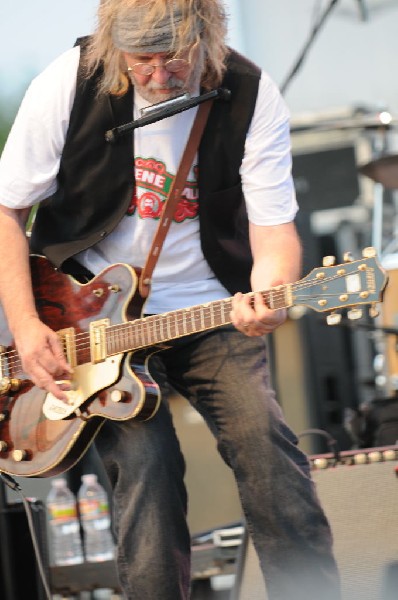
377	218
380	147
392	245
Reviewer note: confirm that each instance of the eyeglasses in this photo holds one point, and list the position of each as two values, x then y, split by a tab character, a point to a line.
172	66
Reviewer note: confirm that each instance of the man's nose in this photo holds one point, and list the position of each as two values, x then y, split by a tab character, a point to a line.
161	75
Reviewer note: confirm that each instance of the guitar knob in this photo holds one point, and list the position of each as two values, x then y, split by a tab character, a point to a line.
369	252
347	257
328	261
118	396
354	314
333	319
4	416
20	455
7	384
374	312
3	446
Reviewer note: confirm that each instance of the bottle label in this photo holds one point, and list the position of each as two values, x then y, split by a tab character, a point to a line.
59	512
93	509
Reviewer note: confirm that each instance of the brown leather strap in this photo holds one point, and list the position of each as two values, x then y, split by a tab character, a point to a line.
174	196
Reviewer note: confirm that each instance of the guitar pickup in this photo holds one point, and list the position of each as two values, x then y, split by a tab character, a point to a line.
98	340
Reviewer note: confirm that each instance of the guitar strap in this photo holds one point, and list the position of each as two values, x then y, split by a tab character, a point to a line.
174	196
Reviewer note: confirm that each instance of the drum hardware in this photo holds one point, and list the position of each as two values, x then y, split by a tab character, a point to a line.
385	362
383	170
380	121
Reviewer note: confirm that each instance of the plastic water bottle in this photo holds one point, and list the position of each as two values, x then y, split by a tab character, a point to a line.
95	519
65	538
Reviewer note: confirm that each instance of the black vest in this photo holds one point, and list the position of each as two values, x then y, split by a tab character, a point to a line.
96	178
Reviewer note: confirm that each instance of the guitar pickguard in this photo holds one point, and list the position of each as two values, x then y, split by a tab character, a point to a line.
88	380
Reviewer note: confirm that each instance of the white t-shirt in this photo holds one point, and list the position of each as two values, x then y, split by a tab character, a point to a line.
182	277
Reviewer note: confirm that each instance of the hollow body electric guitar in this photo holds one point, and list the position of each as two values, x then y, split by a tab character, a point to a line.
108	344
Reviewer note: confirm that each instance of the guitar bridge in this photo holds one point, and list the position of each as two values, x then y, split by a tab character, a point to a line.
67	337
98	340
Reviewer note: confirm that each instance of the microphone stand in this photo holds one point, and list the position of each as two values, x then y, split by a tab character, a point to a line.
304	52
166	109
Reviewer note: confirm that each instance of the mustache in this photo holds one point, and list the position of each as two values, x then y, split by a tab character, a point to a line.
172	83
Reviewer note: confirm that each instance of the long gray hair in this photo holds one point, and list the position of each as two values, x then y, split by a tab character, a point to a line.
199	22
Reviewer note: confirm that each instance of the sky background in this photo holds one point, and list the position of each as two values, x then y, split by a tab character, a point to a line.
351	62
34	33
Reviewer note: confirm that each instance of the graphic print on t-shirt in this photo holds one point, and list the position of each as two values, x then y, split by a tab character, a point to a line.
153	184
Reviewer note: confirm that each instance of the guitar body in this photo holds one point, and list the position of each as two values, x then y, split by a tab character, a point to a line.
32	444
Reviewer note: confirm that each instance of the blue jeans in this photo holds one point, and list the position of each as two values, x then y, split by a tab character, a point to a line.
224	375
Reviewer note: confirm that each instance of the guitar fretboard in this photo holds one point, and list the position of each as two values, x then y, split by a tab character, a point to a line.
157	329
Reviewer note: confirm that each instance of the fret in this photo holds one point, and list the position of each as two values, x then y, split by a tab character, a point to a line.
212	317
129	333
150	339
148	329
5	366
110	342
226	309
141	335
123	333
198	318
222	312
271	302
202	318
159	326
276	297
169	336
192	328
134	334
184	322
176	331
113	340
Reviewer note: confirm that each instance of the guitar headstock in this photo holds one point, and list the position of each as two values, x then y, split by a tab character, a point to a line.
344	286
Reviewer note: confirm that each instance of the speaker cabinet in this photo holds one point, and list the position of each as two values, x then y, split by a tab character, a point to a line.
360	499
249	581
326	178
19	574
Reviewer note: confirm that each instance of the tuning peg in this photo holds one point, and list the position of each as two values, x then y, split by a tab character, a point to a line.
354	314
347	257
333	318
328	261
369	252
374	311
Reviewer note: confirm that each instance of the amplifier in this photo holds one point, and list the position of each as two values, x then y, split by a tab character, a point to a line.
359	494
19	574
326	178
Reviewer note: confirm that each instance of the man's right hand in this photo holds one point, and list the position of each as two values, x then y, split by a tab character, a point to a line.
42	356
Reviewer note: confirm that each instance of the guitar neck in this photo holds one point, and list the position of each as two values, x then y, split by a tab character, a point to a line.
157	329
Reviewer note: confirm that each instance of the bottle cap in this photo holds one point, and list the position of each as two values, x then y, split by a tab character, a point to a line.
89	479
58	483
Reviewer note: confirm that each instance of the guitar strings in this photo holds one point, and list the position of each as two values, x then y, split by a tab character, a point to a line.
82	340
